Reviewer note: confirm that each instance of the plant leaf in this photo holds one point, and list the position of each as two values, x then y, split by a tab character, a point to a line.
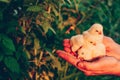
7	51
56	63
46	26
5	1
12	64
1	15
18	55
7	42
27	54
1	57
34	8
36	43
55	11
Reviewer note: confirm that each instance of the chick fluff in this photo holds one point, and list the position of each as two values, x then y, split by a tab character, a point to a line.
90	52
76	42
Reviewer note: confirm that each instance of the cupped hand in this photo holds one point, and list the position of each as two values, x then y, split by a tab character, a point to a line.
112	48
104	65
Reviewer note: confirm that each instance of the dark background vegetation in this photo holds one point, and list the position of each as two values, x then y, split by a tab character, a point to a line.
32	30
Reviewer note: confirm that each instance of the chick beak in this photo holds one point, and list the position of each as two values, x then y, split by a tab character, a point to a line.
100	33
94	44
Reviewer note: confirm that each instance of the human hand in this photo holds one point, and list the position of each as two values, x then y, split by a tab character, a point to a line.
112	48
104	65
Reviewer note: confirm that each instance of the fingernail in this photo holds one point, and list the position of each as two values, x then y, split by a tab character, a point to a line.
66	40
80	64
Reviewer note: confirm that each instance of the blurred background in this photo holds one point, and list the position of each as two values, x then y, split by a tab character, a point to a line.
32	30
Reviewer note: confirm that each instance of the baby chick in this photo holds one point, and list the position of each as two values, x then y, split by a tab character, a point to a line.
76	42
86	52
90	52
95	32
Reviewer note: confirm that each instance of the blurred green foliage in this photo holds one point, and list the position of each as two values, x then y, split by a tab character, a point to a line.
32	30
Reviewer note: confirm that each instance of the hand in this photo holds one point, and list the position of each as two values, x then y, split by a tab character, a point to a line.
112	48
104	65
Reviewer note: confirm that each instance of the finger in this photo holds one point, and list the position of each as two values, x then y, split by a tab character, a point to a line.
67	49
91	73
74	54
88	73
88	66
99	65
67	45
94	72
66	41
74	61
97	72
68	57
107	41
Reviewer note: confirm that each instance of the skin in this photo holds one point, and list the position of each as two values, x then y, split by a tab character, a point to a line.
107	65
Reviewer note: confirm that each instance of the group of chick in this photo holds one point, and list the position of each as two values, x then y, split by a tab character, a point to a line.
89	45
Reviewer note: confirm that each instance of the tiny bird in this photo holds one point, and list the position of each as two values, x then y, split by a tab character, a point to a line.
90	52
76	42
85	53
95	32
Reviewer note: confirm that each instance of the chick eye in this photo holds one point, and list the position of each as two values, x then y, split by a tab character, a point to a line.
91	42
97	31
82	53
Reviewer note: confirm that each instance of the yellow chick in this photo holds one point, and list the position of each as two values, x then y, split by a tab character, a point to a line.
85	53
95	32
90	52
76	42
